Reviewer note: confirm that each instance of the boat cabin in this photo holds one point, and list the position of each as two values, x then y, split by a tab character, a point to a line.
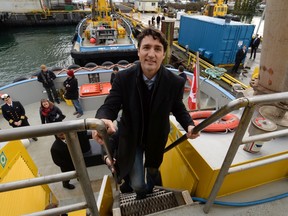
103	35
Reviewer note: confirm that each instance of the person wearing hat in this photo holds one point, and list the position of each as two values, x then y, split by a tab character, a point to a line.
14	113
46	77
72	92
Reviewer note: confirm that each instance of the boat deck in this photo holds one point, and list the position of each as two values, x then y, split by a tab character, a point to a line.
119	40
40	153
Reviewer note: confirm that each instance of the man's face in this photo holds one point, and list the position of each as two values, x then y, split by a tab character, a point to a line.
7	100
61	136
151	54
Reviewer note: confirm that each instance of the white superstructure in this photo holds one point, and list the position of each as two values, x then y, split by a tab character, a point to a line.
146	5
20	6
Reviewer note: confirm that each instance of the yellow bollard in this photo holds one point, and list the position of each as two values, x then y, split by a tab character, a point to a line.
255	73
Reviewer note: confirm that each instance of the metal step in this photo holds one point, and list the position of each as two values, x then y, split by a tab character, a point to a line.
126	204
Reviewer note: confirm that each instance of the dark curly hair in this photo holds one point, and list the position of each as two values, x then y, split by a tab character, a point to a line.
156	34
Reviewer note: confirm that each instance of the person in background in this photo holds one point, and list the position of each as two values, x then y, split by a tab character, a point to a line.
153	20
72	92
240	55
115	71
147	93
254	46
14	113
47	77
61	157
50	113
181	72
158	20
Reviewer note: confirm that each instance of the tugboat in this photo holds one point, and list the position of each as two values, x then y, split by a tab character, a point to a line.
103	36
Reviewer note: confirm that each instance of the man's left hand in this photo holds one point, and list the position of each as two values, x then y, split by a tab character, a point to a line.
190	133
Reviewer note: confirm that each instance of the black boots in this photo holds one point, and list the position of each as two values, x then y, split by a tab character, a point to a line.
67	185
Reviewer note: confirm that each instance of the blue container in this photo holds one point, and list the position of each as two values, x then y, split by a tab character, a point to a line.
201	51
218	39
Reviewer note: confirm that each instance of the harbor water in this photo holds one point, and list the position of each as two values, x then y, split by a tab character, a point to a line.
23	50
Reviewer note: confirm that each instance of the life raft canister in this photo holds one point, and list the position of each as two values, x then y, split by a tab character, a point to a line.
227	123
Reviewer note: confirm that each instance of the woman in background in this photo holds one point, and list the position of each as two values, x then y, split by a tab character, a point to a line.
50	113
72	92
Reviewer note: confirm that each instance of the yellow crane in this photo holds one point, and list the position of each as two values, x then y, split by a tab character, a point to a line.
215	8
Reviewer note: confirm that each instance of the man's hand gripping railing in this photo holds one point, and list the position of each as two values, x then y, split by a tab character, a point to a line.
101	135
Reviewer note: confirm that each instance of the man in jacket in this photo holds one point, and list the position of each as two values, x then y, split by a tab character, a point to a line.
14	113
254	46
147	93
113	74
46	77
61	157
181	72
240	55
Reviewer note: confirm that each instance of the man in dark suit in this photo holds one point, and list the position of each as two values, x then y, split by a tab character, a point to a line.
240	55
254	45
181	72
14	113
61	157
115	71
147	93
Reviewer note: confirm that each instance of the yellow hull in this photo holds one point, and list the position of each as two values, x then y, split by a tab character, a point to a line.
16	164
185	168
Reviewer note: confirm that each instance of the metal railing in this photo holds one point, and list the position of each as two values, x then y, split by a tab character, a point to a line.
249	103
70	129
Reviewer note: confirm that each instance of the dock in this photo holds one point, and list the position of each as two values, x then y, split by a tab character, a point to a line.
41	18
180	56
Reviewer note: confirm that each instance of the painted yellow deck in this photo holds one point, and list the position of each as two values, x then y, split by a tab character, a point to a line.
197	164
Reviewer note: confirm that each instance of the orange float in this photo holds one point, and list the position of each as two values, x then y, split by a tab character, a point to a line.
95	89
227	123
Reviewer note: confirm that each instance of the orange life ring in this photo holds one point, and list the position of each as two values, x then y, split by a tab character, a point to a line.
228	122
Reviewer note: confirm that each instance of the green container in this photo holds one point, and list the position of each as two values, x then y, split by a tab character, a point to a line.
69	7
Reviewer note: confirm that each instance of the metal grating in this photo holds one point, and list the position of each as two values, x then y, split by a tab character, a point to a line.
159	200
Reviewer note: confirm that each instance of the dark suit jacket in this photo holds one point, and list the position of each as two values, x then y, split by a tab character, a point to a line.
60	152
61	156
255	42
240	55
112	78
15	113
127	94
